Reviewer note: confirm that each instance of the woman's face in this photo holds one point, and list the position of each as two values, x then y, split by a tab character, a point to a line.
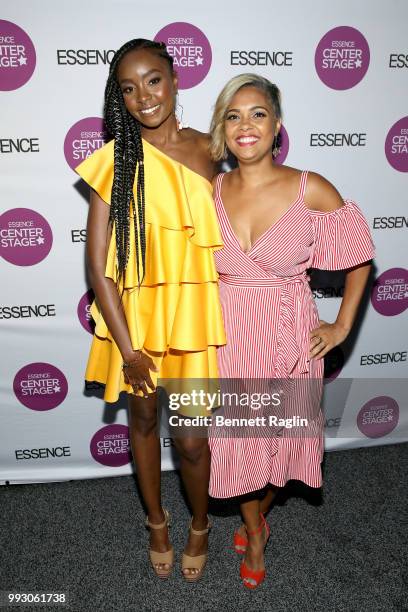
148	86
250	125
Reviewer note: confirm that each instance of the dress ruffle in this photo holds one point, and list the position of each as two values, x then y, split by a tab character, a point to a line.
342	238
176	309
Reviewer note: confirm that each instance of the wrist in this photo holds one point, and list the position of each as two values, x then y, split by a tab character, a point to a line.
131	355
346	328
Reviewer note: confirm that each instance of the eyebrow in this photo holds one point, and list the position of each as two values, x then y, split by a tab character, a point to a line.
236	110
144	76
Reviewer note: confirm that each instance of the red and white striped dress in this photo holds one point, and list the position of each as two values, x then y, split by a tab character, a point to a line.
269	311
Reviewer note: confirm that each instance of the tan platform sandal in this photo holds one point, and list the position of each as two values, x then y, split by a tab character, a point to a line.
161	557
198	562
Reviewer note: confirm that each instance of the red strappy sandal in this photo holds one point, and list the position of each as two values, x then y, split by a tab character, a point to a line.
240	543
251	579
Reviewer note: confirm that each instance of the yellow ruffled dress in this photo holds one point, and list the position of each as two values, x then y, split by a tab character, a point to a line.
175	316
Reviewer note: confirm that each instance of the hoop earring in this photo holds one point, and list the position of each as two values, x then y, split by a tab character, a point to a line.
179	115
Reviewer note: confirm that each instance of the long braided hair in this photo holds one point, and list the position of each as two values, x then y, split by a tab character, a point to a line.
128	162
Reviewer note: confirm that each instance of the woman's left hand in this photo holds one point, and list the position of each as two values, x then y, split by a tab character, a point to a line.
325	337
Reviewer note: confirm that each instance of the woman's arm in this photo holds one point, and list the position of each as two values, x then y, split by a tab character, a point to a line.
328	335
97	244
322	196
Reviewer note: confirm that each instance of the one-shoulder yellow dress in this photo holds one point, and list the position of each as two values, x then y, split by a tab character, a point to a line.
175	316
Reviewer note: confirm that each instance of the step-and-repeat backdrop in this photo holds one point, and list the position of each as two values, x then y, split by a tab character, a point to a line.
342	68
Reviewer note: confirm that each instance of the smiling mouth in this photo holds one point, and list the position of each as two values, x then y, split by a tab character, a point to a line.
150	111
245	141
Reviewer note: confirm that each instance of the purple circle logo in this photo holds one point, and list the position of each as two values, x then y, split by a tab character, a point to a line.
25	237
333	364
84	138
396	145
378	417
111	446
190	50
40	386
283	140
17	56
342	58
83	310
389	294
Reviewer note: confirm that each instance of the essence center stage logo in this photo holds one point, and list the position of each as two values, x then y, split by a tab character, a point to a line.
342	58
190	50
40	386
396	145
17	56
25	237
84	138
389	295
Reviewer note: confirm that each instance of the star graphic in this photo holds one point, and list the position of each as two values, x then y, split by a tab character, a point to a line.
40	240
199	61
390	417
57	389
358	63
406	294
22	61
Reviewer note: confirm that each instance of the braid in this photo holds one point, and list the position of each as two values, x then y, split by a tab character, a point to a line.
128	164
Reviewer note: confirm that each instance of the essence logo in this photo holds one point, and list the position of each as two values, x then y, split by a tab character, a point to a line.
380	358
320	293
40	386
283	139
338	140
342	58
84	138
78	235
83	311
398	60
190	50
27	312
84	57
17	56
333	364
378	417
389	295
396	145
19	145
261	58
111	446
25	237
390	222
56	452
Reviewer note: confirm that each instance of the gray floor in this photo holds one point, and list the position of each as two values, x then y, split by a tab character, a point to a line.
339	551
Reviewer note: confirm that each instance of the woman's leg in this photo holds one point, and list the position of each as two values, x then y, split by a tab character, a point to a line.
254	555
195	472
265	504
145	444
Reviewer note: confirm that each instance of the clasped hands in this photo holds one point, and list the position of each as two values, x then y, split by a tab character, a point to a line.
325	337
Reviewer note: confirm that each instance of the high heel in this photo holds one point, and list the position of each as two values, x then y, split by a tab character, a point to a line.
251	579
240	543
198	562
161	557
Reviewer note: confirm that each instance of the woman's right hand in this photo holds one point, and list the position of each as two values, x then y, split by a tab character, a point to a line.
136	372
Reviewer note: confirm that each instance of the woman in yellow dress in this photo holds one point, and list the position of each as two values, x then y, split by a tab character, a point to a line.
150	264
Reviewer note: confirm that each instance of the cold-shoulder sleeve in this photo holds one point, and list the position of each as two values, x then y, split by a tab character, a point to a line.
97	171
342	238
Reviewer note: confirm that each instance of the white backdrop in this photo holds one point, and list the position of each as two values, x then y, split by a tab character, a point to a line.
345	113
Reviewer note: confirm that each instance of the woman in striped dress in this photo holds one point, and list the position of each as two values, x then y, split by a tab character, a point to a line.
276	222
